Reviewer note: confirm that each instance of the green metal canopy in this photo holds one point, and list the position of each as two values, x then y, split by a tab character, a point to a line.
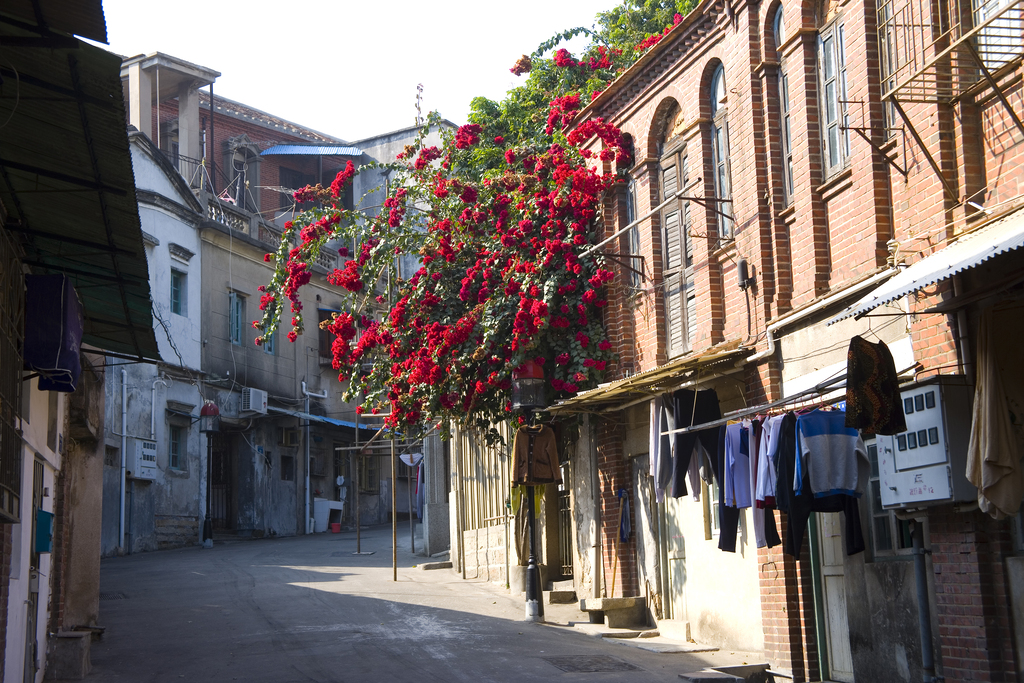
66	180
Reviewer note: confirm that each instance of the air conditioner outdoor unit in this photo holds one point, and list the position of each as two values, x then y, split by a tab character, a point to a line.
254	401
143	465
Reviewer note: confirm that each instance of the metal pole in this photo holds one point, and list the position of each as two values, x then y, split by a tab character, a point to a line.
208	522
534	598
924	615
394	511
412	524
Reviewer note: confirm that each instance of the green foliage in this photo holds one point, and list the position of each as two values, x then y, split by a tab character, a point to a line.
632	21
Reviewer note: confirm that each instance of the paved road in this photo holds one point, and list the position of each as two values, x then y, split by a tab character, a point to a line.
307	609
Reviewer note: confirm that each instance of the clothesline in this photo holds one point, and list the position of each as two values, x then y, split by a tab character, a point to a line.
819	389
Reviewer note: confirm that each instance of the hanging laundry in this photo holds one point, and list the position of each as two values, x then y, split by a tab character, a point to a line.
728	516
737	465
757	513
693	472
799	506
625	518
995	447
666	447
692	408
827	453
873	402
535	457
767	463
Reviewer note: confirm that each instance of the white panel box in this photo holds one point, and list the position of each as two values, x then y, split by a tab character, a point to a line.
143	465
926	465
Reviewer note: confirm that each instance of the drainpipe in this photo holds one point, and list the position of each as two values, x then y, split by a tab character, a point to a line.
152	411
124	452
875	279
308	394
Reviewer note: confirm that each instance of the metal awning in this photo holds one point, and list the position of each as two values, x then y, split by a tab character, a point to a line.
645	385
313	151
321	419
996	237
67	184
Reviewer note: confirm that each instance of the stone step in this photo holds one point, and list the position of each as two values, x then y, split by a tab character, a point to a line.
745	673
561	597
675	629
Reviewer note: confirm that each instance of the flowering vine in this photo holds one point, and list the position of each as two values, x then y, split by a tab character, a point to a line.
506	275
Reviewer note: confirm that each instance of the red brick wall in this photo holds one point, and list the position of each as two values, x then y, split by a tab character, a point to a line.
59	558
613	474
787	610
971	597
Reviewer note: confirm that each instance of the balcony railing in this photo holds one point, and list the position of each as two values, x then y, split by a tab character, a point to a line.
935	51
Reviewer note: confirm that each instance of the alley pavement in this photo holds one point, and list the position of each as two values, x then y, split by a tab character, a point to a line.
308	609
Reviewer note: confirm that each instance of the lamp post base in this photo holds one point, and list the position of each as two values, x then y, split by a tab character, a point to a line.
534	594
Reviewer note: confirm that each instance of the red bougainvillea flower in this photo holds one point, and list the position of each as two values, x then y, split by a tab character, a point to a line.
504	272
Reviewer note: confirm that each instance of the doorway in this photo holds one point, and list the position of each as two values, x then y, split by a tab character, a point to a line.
222	475
833	585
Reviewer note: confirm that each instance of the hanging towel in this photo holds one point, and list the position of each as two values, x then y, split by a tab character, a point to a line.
625	525
873	402
995	448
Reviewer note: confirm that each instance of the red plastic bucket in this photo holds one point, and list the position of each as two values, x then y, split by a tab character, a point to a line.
336	528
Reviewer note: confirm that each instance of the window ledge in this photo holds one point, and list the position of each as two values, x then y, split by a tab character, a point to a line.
836	184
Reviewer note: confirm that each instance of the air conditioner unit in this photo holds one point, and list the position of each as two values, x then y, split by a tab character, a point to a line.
143	465
254	401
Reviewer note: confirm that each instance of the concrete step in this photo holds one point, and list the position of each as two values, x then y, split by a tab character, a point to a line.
560	597
436	565
745	673
675	629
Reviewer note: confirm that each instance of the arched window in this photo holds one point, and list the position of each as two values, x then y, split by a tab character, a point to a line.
677	266
720	152
779	33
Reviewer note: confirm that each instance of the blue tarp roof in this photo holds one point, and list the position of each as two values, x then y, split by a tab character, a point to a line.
320	418
313	150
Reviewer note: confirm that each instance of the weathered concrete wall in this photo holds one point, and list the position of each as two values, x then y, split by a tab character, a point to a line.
881	606
585	526
84	467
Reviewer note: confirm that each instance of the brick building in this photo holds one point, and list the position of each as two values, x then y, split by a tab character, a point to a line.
805	173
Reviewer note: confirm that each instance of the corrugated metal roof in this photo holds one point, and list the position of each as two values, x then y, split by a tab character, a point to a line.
648	384
996	237
69	187
77	17
313	150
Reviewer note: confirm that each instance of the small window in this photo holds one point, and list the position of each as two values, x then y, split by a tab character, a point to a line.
179	293
369	477
270	345
287	468
236	318
176	446
784	111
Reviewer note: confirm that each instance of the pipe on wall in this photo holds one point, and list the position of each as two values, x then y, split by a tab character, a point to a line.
124	453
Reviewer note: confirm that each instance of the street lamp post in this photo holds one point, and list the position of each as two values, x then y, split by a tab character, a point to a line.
209	424
528	394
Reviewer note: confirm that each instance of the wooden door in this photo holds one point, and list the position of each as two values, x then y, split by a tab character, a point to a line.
221	484
833	580
675	558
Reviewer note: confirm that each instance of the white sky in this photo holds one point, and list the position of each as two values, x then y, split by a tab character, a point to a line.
346	68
